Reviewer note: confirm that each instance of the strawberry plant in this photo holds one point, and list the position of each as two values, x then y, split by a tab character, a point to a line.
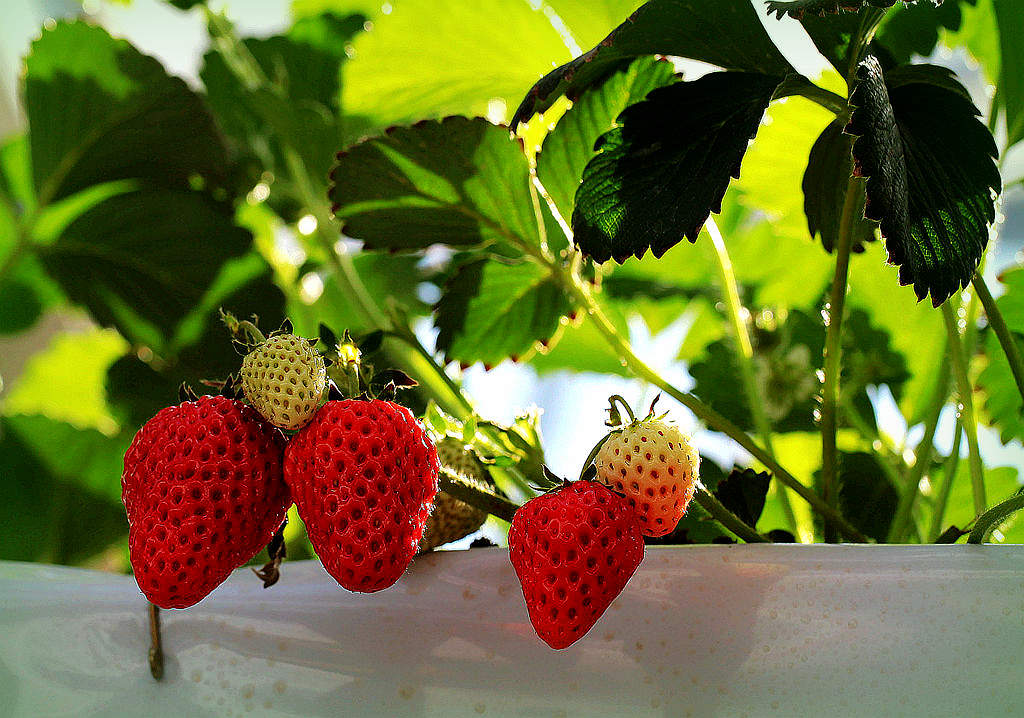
439	207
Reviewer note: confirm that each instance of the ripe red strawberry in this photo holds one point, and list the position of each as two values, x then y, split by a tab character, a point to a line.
573	550
204	492
655	466
364	476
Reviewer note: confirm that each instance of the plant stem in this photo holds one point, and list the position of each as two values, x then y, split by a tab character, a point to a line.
833	355
923	457
959	363
156	647
949	470
727	518
996	321
453	485
745	355
799	85
989	520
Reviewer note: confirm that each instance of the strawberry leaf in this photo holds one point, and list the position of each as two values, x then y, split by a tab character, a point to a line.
491	311
726	33
825	182
798	8
569	147
665	167
100	111
931	173
142	260
457	181
743	492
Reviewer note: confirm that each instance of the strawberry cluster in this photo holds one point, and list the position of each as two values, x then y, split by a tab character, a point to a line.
208	483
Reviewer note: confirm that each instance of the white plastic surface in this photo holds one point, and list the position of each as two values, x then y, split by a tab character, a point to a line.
713	630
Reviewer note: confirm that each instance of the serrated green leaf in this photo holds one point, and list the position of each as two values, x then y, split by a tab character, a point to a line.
659	174
931	173
100	111
798	8
141	261
569	147
825	184
430	58
726	33
491	311
458	181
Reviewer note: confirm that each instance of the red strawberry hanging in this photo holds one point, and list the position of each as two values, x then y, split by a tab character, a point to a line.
573	550
363	475
204	492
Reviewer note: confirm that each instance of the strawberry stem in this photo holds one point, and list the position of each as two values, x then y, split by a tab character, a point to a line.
614	418
454	485
156	650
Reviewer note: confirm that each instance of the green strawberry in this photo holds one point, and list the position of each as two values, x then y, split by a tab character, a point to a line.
452	519
283	379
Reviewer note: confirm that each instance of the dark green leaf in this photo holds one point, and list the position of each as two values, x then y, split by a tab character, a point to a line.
186	4
914	29
726	33
798	8
931	173
98	111
665	167
569	147
828	174
491	311
141	261
19	306
832	34
743	492
866	496
457	181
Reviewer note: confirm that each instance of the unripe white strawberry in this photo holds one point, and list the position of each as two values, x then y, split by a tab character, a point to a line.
655	466
452	519
283	379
